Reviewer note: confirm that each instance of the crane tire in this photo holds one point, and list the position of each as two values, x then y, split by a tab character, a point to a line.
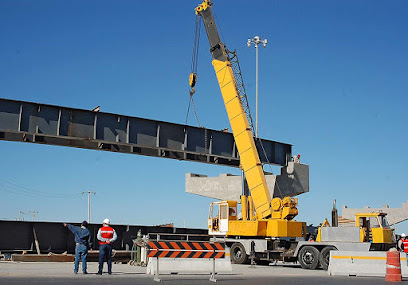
324	256
238	253
309	257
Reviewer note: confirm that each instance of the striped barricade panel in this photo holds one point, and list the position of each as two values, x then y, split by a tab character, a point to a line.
181	249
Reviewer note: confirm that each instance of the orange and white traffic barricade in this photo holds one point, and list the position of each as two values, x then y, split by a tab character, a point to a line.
393	266
187	257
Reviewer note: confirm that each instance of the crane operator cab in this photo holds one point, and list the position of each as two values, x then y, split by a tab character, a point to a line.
219	216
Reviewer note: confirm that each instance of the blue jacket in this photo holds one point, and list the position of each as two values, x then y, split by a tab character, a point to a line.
82	235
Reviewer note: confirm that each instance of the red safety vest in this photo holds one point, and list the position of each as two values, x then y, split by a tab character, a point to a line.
107	233
405	242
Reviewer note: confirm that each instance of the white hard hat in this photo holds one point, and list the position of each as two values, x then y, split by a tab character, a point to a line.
403	235
106	221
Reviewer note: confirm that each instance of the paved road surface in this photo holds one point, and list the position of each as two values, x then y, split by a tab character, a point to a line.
123	274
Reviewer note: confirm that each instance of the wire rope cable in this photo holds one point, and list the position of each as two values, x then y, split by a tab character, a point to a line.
194	66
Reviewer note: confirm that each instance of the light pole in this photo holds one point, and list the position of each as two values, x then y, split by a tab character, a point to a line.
89	203
256	41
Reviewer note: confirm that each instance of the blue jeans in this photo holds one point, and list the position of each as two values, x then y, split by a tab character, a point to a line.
105	250
81	252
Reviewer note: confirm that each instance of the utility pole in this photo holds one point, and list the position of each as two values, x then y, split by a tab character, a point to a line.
19	215
256	41
89	203
33	214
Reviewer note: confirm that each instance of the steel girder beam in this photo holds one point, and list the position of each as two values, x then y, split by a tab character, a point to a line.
56	125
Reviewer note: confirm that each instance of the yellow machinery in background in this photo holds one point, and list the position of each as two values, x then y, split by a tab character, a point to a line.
374	228
370	232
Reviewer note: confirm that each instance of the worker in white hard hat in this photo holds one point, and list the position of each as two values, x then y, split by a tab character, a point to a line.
106	236
403	244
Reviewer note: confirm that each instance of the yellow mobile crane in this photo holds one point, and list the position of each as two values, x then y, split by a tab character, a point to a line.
262	217
273	217
265	228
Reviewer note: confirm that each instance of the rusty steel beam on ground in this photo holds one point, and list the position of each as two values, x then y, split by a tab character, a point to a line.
42	258
55	125
93	256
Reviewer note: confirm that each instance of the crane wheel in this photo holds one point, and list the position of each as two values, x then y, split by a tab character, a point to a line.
308	257
324	256
238	253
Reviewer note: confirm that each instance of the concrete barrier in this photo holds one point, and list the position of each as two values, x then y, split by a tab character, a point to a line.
187	257
362	263
188	265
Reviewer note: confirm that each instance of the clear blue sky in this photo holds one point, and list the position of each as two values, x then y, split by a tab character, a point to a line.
333	82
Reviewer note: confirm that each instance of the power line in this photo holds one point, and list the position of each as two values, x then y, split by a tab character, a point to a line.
30	190
11	187
17	193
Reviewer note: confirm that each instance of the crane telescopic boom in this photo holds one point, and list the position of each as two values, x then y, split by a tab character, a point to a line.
241	130
273	217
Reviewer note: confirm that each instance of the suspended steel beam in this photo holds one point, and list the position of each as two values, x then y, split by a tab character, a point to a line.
55	125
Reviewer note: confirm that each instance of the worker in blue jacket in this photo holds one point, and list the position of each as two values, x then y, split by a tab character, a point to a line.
83	242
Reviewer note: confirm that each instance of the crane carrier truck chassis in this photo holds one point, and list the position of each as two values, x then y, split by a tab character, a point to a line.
371	232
